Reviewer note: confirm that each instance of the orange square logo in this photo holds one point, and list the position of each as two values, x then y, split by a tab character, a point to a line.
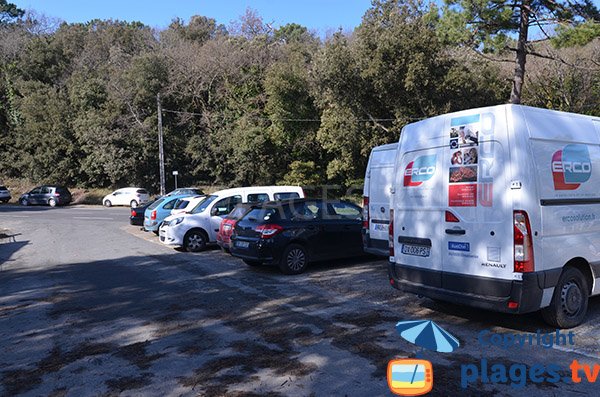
410	377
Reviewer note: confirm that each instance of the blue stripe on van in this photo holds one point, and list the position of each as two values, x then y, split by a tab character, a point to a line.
464	120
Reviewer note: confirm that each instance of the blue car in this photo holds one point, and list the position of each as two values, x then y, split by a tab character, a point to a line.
158	211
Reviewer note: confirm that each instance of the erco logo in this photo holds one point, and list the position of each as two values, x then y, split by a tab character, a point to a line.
571	167
420	170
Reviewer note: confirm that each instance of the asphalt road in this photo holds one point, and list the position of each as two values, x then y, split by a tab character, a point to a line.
92	306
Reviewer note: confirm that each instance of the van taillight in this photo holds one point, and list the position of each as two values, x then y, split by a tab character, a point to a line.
268	231
365	224
450	217
153	215
523	245
391	232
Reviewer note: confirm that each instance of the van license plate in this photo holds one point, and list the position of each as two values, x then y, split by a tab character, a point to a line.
242	244
415	250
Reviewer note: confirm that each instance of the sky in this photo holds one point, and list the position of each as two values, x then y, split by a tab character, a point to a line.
321	16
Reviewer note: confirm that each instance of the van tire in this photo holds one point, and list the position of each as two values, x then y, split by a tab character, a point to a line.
294	259
194	241
569	301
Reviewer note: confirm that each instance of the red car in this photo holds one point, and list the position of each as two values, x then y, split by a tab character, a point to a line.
228	223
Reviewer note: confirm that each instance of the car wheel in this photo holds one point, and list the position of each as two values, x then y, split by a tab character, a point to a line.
52	202
107	203
570	300
252	263
133	204
194	241
294	259
24	202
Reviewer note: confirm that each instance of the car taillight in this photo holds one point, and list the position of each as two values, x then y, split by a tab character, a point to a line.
56	194
133	213
450	217
365	213
268	231
391	232
153	215
226	227
523	244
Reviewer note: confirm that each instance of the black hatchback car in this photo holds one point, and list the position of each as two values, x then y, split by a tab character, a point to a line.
51	195
293	233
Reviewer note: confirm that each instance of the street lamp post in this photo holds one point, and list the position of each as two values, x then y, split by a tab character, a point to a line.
175	173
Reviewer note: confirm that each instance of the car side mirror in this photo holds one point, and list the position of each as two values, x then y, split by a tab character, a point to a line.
214	211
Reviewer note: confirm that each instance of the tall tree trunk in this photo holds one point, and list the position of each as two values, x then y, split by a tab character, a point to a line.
515	94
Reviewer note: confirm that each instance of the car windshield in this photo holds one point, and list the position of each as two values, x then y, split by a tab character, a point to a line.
181	204
203	204
237	212
156	204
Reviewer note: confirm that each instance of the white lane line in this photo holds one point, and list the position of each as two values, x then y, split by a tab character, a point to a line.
93	217
20	216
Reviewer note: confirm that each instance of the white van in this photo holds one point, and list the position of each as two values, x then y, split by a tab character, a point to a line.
376	199
499	208
199	227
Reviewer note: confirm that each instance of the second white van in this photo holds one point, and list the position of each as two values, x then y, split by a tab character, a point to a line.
376	199
499	208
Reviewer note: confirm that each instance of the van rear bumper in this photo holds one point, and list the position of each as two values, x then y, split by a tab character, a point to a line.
481	292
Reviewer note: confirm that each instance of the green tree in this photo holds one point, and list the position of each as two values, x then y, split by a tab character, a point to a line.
489	25
9	12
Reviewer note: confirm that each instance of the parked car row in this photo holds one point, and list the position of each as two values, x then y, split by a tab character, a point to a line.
273	225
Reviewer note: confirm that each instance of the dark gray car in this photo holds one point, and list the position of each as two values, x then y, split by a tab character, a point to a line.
51	195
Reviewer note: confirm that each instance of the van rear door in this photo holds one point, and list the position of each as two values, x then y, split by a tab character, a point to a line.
419	203
453	200
478	229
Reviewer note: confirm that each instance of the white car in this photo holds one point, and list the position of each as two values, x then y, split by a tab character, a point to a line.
186	204
131	196
196	229
498	208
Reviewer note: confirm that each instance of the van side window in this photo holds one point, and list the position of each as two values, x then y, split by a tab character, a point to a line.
225	206
286	196
258	197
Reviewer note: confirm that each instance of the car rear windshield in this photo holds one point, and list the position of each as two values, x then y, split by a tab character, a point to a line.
181	204
261	214
203	205
156	204
3	188
142	191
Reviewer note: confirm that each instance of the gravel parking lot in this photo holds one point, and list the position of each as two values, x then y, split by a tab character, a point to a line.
90	305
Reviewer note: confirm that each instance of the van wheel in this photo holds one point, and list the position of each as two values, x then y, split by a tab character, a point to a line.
570	300
194	241
252	263
294	259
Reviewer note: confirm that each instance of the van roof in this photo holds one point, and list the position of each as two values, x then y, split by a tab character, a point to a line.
389	146
257	189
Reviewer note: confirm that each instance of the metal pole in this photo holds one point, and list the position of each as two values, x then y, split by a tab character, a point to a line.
176	181
161	155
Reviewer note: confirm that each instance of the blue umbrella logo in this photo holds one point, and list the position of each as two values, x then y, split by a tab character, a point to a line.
427	334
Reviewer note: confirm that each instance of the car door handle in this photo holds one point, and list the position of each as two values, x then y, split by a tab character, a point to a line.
455	231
